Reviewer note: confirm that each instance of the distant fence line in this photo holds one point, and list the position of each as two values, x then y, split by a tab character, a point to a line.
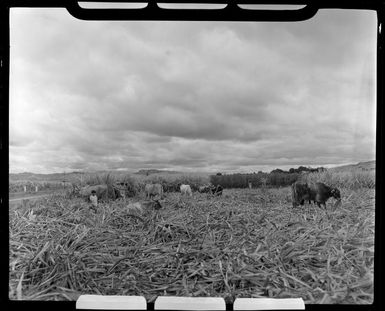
29	186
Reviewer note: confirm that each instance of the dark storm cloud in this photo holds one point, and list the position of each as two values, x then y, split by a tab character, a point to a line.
194	96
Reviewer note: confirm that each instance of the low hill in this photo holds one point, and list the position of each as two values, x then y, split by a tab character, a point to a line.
154	171
361	166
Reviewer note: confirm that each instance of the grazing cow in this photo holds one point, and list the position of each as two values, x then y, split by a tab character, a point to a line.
204	189
186	189
217	190
153	204
153	190
140	207
320	193
87	190
299	193
122	189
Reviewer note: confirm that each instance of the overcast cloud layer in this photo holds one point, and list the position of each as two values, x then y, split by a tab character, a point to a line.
190	96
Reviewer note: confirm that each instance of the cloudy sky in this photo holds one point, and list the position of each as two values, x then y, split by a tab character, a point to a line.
190	96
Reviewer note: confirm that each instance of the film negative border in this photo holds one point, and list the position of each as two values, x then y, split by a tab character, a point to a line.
367	4
98	302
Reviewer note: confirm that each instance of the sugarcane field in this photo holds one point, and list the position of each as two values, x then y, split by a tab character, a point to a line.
241	243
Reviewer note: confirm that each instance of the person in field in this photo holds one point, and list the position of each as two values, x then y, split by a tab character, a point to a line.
94	200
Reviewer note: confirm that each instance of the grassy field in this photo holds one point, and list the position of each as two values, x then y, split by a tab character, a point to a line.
247	243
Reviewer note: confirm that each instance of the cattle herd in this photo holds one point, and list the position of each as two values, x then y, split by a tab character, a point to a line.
152	190
153	193
301	192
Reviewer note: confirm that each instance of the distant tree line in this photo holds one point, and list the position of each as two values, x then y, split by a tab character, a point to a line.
300	170
276	178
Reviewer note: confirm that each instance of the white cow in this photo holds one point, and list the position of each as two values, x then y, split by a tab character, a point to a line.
186	189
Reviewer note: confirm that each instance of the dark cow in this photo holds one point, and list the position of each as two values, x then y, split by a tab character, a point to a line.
320	193
121	189
217	190
317	192
299	193
152	204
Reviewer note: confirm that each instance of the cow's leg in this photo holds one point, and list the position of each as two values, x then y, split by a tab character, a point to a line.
326	210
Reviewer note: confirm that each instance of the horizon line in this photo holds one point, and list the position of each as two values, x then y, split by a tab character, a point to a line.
132	171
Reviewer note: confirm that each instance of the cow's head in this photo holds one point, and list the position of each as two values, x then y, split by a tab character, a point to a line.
335	193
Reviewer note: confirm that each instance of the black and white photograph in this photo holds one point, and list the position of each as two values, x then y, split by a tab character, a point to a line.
192	158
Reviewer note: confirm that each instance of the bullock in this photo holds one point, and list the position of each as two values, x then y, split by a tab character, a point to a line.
217	190
153	190
320	193
211	189
140	207
121	188
100	190
186	189
299	193
204	189
154	204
